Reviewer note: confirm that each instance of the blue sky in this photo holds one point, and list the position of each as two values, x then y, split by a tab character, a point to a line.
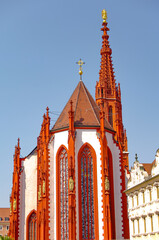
40	43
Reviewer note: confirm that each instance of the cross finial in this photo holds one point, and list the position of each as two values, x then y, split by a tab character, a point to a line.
80	63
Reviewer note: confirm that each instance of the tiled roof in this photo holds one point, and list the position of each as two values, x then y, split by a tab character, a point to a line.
86	111
4	213
148	167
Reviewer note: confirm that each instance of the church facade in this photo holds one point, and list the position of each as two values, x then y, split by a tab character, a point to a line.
71	186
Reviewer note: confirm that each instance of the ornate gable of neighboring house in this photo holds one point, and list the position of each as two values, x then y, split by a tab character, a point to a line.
155	164
138	174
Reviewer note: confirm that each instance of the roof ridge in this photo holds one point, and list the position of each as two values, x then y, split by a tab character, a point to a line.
90	103
77	97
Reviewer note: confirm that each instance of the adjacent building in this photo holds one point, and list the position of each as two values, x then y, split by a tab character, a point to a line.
143	199
4	221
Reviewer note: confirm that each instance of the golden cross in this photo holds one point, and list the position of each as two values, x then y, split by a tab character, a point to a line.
80	63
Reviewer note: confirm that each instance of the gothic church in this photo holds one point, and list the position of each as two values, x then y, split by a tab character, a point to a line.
70	187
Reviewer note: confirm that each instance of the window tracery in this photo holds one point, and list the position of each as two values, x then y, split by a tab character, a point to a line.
63	194
32	227
87	194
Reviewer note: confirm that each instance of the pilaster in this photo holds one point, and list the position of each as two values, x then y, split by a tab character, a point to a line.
71	176
105	179
43	179
14	198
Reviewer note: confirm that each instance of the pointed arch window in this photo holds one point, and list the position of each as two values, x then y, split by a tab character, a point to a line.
31	226
88	219
62	188
110	116
112	204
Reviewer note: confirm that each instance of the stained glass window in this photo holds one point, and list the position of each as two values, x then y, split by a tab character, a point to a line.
87	194
63	165
32	226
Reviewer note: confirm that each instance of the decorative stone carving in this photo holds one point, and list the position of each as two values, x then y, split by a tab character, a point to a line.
71	184
14	204
39	192
107	184
10	207
44	187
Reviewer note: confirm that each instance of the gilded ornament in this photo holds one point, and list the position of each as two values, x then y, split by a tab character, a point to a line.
107	185
104	15
14	204
80	63
71	184
10	207
39	192
43	186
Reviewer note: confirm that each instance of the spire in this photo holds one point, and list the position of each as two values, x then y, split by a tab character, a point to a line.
106	73
108	92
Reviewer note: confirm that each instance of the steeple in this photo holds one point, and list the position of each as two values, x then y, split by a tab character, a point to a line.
106	86
108	93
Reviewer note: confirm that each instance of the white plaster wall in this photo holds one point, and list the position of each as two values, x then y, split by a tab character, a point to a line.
83	136
59	139
117	185
90	137
52	202
28	191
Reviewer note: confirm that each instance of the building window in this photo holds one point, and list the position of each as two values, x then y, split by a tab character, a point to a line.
87	187
87	194
144	224
102	92
137	200
143	197
62	209
151	217
32	227
133	223
7	227
150	194
132	201
6	218
1	227
157	192
138	224
1	219
110	114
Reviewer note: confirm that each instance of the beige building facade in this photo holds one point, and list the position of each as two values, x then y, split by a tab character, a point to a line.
143	199
4	221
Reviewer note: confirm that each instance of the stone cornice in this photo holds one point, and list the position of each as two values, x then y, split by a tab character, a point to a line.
143	184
